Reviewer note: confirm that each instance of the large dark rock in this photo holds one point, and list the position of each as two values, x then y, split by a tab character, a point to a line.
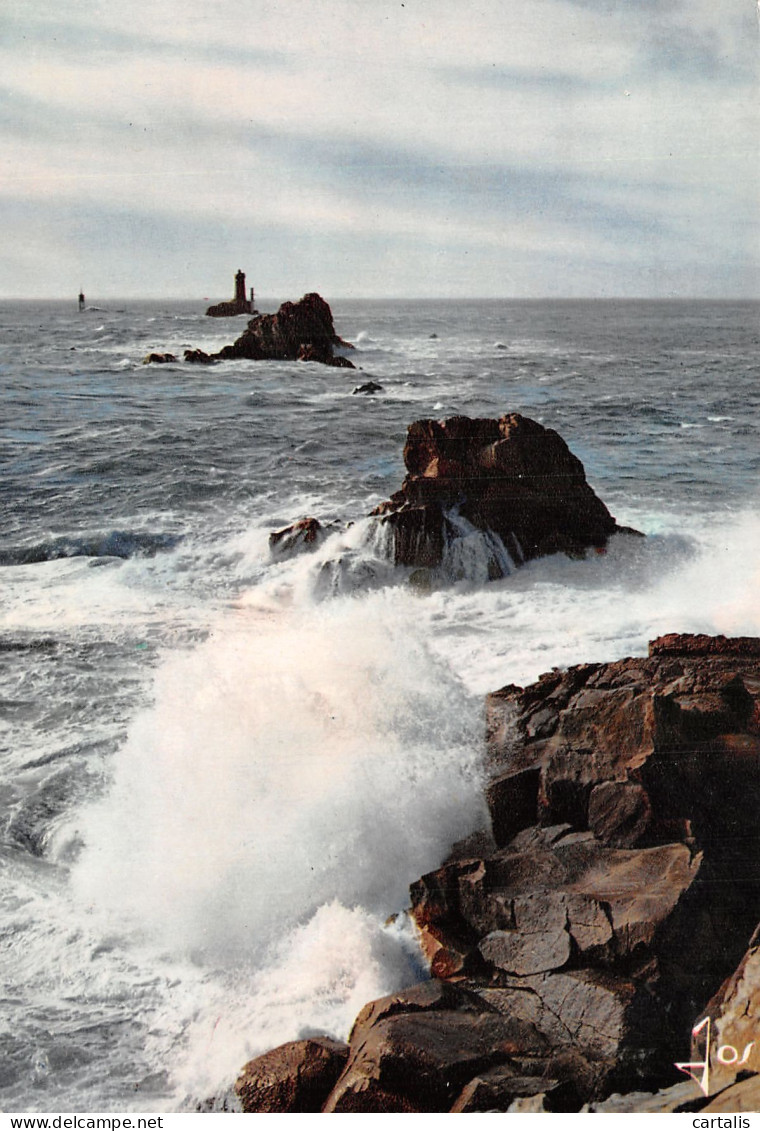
297	1076
625	801
734	1014
298	331
306	534
421	1060
199	357
511	476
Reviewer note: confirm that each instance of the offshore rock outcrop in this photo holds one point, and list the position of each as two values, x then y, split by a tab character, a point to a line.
576	943
299	331
511	477
240	304
158	358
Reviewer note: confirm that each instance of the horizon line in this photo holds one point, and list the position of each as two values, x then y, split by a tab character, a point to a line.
165	297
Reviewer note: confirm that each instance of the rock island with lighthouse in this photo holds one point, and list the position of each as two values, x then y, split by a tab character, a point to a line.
239	304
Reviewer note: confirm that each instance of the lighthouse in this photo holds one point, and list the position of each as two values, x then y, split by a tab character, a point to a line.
240	299
239	305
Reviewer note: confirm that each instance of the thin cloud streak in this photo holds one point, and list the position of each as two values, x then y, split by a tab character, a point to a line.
608	139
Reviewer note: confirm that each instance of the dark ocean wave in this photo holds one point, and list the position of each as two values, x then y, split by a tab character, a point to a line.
113	544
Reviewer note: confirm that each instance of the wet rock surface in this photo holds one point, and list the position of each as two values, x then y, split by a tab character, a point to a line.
297	1076
511	477
612	905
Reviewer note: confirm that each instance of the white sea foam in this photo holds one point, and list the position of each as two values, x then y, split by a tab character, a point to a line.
292	759
296	772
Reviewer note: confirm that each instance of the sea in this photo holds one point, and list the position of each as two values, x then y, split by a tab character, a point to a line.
221	769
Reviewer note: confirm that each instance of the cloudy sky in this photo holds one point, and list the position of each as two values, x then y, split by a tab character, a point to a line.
373	147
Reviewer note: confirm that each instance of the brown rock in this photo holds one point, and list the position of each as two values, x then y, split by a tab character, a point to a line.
609	911
734	1014
421	998
685	1096
498	1088
520	953
299	330
744	1096
297	1076
645	777
689	644
446	959
595	1014
414	1062
306	534
619	813
513	802
198	357
511	477
526	902
158	358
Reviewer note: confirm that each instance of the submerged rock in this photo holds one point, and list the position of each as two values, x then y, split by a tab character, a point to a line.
369	387
158	358
306	534
299	331
510	477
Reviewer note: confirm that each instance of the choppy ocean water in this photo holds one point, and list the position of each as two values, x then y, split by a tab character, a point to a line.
220	771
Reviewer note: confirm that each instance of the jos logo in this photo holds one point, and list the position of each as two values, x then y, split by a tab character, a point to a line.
726	1054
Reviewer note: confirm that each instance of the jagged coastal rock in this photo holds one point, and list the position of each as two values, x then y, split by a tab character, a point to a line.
510	476
299	331
297	1076
158	358
240	304
306	534
576	942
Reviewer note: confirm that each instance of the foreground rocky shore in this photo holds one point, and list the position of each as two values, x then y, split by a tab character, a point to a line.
607	912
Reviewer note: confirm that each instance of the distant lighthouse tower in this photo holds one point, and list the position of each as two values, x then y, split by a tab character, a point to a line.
240	303
81	300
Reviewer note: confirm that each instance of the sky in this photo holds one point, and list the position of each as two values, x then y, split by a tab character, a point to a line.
370	148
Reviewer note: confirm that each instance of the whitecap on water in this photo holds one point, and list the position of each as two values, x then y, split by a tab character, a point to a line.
294	774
